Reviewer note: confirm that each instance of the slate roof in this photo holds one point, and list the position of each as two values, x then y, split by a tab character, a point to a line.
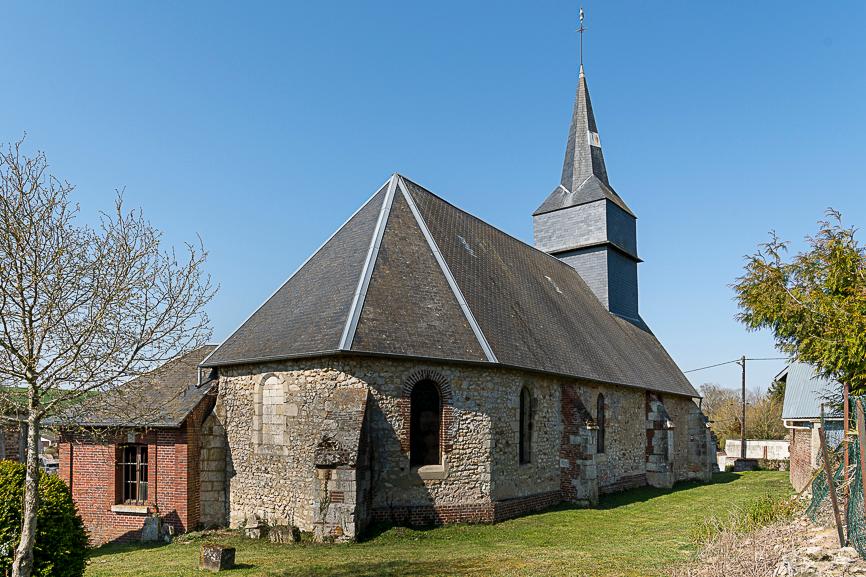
584	175
590	190
805	390
161	398
412	275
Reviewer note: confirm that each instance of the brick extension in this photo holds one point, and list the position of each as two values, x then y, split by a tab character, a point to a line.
88	465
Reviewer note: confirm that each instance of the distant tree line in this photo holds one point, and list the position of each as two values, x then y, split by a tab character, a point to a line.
763	412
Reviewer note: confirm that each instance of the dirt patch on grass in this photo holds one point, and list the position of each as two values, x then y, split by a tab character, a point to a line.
787	549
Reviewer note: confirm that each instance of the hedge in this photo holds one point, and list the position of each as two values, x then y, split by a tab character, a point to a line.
61	540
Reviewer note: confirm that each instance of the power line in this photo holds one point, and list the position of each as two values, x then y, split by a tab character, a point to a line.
711	366
737	361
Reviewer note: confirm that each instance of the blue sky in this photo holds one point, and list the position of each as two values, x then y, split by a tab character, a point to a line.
262	126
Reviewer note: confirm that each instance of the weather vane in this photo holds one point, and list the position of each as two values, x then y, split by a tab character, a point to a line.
581	30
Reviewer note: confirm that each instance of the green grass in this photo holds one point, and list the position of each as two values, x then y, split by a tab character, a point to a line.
636	533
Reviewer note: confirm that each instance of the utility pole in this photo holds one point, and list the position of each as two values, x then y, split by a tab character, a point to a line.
742	363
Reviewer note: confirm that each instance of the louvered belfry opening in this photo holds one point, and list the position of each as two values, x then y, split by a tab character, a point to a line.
425	425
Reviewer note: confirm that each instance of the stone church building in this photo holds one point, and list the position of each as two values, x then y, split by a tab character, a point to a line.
424	367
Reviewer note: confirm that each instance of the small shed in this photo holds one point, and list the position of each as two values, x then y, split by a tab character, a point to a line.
805	392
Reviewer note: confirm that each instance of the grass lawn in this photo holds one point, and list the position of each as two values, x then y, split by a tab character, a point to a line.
636	533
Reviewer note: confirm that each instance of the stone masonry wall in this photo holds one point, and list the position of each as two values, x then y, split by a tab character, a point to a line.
212	471
577	452
663	453
623	463
275	485
474	446
693	448
501	398
480	478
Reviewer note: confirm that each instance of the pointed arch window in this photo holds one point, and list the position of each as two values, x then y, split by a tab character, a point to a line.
425	424
600	422
525	426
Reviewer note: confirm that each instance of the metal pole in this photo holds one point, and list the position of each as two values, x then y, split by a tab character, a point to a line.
861	435
846	416
743	416
831	485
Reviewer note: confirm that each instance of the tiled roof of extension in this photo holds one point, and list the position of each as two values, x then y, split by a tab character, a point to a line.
161	398
410	274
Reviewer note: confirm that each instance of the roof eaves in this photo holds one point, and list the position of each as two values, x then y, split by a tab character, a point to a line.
274	358
612	244
618	202
455	361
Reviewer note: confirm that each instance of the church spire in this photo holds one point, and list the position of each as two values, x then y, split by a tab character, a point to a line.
583	156
584	222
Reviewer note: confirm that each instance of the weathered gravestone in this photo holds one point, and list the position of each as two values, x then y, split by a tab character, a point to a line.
284	534
215	557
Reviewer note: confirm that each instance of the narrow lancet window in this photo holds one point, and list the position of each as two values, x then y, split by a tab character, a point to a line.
525	426
600	421
425	425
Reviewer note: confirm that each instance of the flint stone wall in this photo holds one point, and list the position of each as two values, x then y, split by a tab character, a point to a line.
282	486
623	463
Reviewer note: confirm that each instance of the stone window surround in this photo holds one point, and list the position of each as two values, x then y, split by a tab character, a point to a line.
258	425
446	430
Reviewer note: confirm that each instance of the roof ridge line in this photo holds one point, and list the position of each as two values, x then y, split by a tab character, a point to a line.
296	271
496	228
360	296
452	282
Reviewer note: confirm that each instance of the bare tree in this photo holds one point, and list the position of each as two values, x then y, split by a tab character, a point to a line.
82	308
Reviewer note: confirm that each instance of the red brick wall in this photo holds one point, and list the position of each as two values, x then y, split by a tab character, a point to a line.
88	465
11	443
801	458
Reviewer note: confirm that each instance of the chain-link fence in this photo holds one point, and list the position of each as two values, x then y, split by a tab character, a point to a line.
849	490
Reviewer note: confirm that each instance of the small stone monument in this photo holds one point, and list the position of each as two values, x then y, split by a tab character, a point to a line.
257	531
152	529
215	557
741	465
284	534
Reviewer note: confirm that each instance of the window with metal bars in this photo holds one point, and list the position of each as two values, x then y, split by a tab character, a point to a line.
133	469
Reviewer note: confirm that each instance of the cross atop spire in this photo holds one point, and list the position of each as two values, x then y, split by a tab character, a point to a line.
584	175
581	30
